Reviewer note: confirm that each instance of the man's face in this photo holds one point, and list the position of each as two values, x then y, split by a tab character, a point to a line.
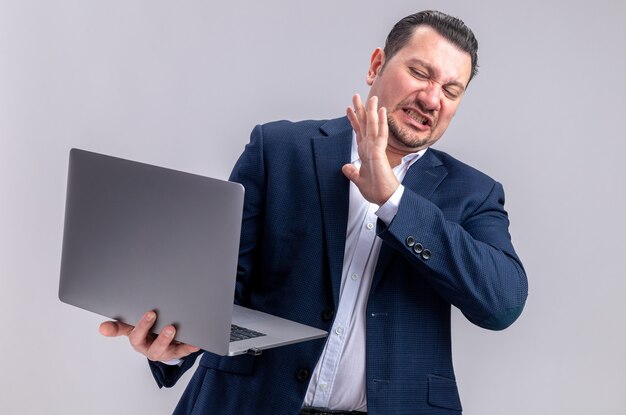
421	86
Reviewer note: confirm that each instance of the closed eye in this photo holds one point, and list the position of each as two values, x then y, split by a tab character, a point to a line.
419	74
452	92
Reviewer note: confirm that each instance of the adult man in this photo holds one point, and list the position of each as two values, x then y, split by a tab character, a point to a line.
375	262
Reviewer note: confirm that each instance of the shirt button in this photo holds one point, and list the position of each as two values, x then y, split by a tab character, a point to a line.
354	277
370	226
339	330
324	387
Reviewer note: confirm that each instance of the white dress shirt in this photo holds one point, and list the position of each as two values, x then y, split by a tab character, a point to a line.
338	381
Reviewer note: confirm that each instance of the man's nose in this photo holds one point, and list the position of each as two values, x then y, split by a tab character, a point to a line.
430	96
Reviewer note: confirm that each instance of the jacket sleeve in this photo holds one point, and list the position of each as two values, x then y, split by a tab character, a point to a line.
168	375
250	172
471	264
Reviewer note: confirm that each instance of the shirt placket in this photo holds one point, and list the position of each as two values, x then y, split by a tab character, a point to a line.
349	294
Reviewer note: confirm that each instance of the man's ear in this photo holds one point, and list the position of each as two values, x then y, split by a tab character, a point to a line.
376	65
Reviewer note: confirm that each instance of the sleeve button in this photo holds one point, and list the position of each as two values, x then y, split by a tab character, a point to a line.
418	248
410	241
426	254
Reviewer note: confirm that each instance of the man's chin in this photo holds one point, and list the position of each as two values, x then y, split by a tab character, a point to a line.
410	140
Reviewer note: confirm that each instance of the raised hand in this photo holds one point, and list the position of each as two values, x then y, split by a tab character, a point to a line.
375	179
156	348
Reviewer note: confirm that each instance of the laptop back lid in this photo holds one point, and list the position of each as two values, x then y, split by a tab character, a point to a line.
139	237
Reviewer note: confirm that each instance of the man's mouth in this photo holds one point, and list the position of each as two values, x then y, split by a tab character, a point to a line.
417	116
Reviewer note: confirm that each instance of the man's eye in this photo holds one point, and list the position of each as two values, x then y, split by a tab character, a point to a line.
451	93
419	74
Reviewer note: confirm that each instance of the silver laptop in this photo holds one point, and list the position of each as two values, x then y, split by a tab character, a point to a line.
139	237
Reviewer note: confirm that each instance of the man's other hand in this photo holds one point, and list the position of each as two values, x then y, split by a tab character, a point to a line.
160	348
375	179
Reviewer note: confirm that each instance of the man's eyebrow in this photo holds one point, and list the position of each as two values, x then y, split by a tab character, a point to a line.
431	71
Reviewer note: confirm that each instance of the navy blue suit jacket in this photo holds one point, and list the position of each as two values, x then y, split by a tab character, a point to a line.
291	255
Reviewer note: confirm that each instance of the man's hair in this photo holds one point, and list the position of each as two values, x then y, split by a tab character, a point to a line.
451	28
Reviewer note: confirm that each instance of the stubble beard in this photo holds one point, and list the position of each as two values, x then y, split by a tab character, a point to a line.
406	137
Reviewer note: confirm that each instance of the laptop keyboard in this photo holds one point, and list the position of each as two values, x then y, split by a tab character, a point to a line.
241	333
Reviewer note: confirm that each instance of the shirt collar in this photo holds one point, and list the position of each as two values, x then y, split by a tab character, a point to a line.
408	159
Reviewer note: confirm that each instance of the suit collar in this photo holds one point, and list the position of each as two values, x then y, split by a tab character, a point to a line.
337	126
425	174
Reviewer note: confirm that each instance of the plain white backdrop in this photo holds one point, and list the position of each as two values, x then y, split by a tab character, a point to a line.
181	84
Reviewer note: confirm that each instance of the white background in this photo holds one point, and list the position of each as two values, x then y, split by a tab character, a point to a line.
181	84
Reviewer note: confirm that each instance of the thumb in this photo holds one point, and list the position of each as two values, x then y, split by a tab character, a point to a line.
115	328
351	172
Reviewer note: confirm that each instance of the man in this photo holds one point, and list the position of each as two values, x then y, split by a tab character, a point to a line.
376	260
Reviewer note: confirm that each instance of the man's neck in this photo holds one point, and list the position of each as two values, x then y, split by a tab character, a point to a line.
394	158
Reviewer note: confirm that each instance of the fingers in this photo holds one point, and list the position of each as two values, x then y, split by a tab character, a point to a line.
371	121
140	337
383	125
181	350
158	349
356	115
115	328
359	108
354	121
374	178
164	347
367	121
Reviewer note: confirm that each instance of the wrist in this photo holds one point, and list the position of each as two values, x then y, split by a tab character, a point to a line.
388	192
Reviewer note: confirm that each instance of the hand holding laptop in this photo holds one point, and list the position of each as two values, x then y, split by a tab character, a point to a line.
162	348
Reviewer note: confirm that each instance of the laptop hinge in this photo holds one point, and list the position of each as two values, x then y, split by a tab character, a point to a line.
254	351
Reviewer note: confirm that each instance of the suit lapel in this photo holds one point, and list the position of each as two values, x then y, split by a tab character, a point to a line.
425	174
331	150
422	178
